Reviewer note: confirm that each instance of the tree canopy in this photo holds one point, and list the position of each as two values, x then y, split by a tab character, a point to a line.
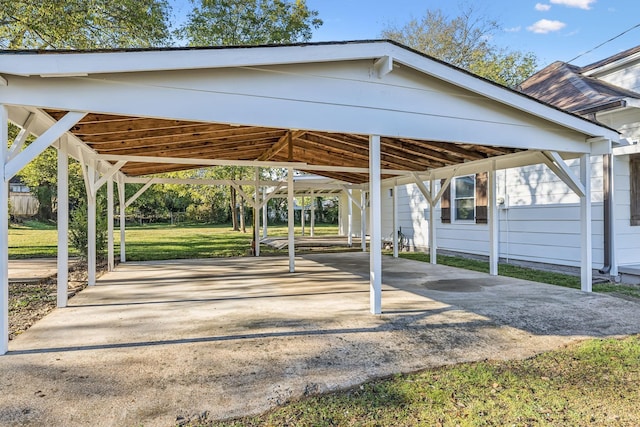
465	41
243	22
84	24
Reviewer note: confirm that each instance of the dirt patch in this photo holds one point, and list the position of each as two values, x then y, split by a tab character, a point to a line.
31	301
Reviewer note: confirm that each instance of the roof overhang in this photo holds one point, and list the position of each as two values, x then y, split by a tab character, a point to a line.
309	106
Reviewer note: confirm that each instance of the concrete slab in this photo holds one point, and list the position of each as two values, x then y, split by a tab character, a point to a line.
154	341
311	242
33	269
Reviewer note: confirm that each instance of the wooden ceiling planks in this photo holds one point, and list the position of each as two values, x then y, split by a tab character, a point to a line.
141	136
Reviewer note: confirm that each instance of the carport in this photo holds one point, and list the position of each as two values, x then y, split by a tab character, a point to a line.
358	112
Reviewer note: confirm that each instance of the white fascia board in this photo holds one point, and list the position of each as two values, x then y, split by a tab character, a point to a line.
497	93
75	64
287	111
627	149
613	65
632	102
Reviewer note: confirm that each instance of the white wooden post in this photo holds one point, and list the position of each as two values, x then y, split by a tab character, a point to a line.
91	228
375	244
493	222
4	232
291	245
63	224
302	215
123	220
433	238
612	215
350	218
256	215
313	216
110	206
395	221
265	214
585	224
363	220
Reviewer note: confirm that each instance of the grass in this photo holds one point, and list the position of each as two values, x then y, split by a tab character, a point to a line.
524	273
153	242
592	383
33	239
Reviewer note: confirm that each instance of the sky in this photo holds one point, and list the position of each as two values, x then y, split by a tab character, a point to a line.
551	29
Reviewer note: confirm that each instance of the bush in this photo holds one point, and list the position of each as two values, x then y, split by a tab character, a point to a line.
78	232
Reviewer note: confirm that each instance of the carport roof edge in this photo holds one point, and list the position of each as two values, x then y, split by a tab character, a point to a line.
65	63
430	115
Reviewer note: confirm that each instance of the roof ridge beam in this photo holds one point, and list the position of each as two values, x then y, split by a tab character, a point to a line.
284	141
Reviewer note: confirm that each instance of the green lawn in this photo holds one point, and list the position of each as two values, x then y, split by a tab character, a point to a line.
592	383
154	242
33	240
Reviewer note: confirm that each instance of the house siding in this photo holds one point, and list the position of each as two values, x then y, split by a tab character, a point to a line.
627	77
627	236
539	221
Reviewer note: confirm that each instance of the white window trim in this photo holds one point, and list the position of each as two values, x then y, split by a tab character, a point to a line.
454	206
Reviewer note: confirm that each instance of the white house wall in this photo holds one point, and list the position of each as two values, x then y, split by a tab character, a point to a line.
627	77
539	221
627	121
628	237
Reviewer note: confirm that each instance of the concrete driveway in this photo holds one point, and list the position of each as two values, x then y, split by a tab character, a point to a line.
155	341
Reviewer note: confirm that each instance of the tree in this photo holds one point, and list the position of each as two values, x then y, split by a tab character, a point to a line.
76	24
244	22
83	24
465	41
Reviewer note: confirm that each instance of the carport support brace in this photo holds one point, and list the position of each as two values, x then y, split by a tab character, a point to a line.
493	222
110	206
394	233
91	228
123	220
433	237
312	226
363	219
4	232
265	214
256	215
375	244
585	224
291	245
349	218
63	223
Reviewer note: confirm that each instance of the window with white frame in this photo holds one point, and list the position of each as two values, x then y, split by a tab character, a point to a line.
463	195
465	199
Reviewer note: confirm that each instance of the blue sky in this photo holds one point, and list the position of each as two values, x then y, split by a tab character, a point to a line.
552	29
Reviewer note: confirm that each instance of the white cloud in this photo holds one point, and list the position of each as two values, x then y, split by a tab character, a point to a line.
513	29
580	4
542	7
545	26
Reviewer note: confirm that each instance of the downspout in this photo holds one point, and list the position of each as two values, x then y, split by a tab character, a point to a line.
607	188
